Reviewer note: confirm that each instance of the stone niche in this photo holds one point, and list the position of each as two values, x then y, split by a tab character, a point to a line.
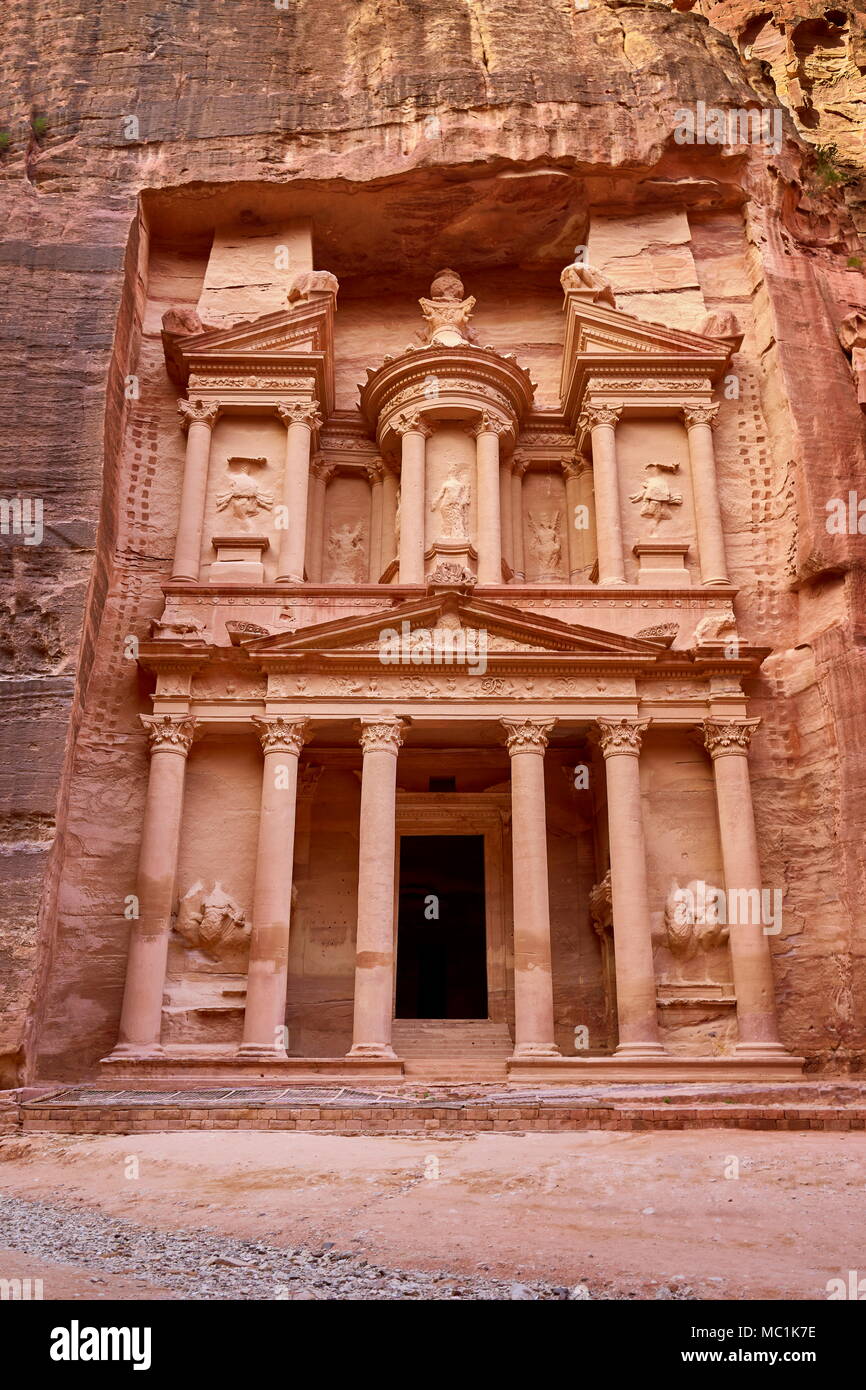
656	505
451	520
346	540
209	942
245	482
545	522
692	961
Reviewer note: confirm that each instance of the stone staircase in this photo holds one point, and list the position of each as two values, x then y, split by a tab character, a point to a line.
458	1050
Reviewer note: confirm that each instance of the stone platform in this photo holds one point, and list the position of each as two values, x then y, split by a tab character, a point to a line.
438	1110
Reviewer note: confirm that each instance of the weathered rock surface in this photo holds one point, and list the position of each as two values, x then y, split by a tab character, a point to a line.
431	121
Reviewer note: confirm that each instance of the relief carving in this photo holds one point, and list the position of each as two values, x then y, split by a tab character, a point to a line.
452	504
656	498
692	920
544	542
601	906
583	277
211	922
242	497
346	549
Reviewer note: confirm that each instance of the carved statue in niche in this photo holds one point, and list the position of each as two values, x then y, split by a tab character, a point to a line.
211	921
346	549
447	312
452	504
656	497
242	497
545	542
692	920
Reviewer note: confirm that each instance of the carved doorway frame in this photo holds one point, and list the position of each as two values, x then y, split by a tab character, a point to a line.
468	813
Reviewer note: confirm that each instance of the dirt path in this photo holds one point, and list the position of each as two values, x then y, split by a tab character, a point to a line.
626	1215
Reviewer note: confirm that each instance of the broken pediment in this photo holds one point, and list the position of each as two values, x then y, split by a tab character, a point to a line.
507	633
259	362
611	356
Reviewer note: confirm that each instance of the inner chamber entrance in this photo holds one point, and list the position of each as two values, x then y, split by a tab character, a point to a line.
441	928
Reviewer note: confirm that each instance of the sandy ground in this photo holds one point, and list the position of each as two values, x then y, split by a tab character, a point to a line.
627	1214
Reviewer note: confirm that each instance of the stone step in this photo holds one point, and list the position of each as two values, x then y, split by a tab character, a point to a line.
475	1041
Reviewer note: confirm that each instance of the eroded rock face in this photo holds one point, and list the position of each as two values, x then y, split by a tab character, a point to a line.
462	131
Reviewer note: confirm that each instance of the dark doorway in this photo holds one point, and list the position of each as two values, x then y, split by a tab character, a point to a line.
441	933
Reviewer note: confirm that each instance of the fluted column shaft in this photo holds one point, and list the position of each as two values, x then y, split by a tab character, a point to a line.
267	973
414	433
300	421
751	961
602	422
705	490
576	545
534	1034
170	738
198	420
374	958
487	434
632	939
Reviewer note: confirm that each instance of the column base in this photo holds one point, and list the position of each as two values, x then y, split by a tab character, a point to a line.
638	1051
613	584
527	1052
258	1052
135	1052
381	1051
764	1051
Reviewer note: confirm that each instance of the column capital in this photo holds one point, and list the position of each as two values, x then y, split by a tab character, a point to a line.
621	735
281	733
488	423
323	469
728	735
198	413
700	415
526	735
381	735
593	415
412	422
576	467
300	413
519	464
375	472
169	733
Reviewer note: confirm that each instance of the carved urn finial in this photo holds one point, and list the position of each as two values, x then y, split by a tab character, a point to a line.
446	311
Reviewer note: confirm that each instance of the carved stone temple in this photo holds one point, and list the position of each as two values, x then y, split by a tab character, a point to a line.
443	768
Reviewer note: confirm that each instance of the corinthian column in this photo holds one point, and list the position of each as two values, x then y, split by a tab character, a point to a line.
376	474
322	473
728	745
487	433
264	1019
533	977
700	420
575	470
632	941
170	737
414	434
198	419
602	421
374	947
300	421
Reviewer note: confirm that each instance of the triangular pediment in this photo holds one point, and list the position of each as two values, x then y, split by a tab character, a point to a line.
510	634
